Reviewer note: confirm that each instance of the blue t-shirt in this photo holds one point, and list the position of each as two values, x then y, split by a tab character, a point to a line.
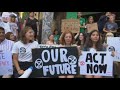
111	26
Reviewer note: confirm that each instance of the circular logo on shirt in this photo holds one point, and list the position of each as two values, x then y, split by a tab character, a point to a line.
110	27
22	50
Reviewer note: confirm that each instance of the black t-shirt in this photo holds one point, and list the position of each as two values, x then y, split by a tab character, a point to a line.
101	22
32	23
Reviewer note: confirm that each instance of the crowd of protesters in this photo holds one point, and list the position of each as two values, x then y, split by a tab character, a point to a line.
21	40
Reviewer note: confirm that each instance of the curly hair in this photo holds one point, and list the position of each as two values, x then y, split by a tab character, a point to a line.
62	40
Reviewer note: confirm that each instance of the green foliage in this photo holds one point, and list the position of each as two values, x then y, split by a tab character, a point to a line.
25	15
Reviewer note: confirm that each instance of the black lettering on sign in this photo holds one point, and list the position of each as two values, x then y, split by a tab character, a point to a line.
50	62
96	68
103	55
89	57
89	68
103	68
94	58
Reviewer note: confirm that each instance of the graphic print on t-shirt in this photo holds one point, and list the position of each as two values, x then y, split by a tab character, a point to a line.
22	50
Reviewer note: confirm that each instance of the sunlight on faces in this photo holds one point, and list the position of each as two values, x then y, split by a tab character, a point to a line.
30	35
68	39
95	37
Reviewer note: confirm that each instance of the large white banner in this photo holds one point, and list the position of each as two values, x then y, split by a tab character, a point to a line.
114	45
6	67
96	63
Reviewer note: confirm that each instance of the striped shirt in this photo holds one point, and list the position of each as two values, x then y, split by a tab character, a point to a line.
6	45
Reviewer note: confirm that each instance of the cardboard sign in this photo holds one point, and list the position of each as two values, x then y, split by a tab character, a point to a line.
98	63
52	62
6	67
91	27
71	25
114	45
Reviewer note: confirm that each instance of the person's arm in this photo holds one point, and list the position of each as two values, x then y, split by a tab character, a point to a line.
104	30
61	36
15	62
83	26
37	28
76	35
24	23
113	31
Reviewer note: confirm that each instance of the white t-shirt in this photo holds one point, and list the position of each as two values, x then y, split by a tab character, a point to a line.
6	26
7	15
6	45
24	51
13	27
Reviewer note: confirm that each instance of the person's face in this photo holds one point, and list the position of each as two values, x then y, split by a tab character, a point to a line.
91	20
111	18
12	37
56	32
68	39
31	14
95	37
51	37
2	35
29	35
79	14
12	19
81	37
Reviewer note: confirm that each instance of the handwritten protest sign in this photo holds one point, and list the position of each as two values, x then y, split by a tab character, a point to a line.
47	46
51	62
91	27
71	25
99	63
114	45
6	67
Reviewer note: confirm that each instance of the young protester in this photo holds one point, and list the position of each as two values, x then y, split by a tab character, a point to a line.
80	39
82	22
67	40
94	43
13	26
10	36
5	45
50	40
22	51
111	26
32	22
56	37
